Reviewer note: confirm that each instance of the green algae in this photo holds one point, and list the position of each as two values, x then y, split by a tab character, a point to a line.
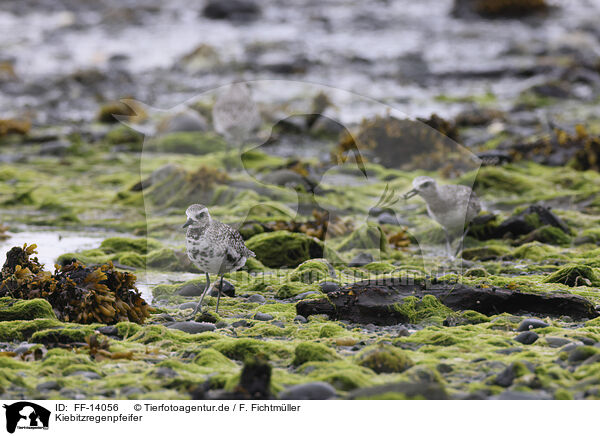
369	236
313	352
197	143
429	308
574	275
13	309
310	271
292	289
385	359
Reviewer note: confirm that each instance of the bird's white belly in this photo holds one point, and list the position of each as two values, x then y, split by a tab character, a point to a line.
212	258
451	220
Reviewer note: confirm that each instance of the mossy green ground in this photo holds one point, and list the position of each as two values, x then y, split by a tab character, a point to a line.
94	187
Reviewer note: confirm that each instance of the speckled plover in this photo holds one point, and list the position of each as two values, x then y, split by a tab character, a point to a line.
452	206
214	247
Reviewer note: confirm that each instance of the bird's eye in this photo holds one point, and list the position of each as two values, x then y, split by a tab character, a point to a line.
426	185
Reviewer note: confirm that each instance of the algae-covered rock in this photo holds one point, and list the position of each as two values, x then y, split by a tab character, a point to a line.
292	289
13	309
485	253
313	352
310	271
198	143
574	275
284	249
369	236
385	359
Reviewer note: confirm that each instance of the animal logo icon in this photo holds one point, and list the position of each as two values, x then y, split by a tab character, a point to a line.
25	414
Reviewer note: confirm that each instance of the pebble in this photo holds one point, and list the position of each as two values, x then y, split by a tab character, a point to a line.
263	316
309	391
403	331
51	385
300	319
527	338
193	327
531	323
228	290
241	323
328	287
257	298
86	374
191	290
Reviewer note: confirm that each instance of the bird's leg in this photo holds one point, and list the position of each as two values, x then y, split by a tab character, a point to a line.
219	296
461	244
448	247
199	306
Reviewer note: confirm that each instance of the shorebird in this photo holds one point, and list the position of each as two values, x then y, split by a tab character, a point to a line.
452	206
214	247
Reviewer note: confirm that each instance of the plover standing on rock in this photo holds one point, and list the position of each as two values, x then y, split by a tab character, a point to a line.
452	206
214	247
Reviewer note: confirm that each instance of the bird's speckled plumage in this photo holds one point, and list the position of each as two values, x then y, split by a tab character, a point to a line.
212	246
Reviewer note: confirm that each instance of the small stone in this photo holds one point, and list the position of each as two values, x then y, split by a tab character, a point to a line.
241	323
510	350
86	374
108	330
361	259
300	319
51	385
278	324
527	338
193	327
580	354
309	391
257	298
444	368
555	342
531	323
191	290
239	10
327	287
221	324
228	289
165	372
263	316
403	331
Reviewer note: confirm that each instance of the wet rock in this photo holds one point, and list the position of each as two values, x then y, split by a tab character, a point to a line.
191	289
304	295
257	298
510	373
375	301
237	10
386	359
241	323
527	338
188	305
309	391
361	259
90	375
165	372
259	316
555	342
403	332
228	289
531	323
327	287
186	121
408	390
192	327
574	275
51	385
532	218
108	330
581	353
300	319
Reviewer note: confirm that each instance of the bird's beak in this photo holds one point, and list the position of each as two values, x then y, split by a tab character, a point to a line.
410	194
188	222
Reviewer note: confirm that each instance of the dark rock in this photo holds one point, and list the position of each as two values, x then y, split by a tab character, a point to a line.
300	319
403	332
532	218
108	330
373	301
241	323
468	9
309	391
444	368
510	350
192	327
304	295
263	316
585	340
221	324
556	342
527	338
429	391
257	298
361	259
531	323
506	377
165	372
51	385
191	290
228	289
581	353
238	10
328	287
